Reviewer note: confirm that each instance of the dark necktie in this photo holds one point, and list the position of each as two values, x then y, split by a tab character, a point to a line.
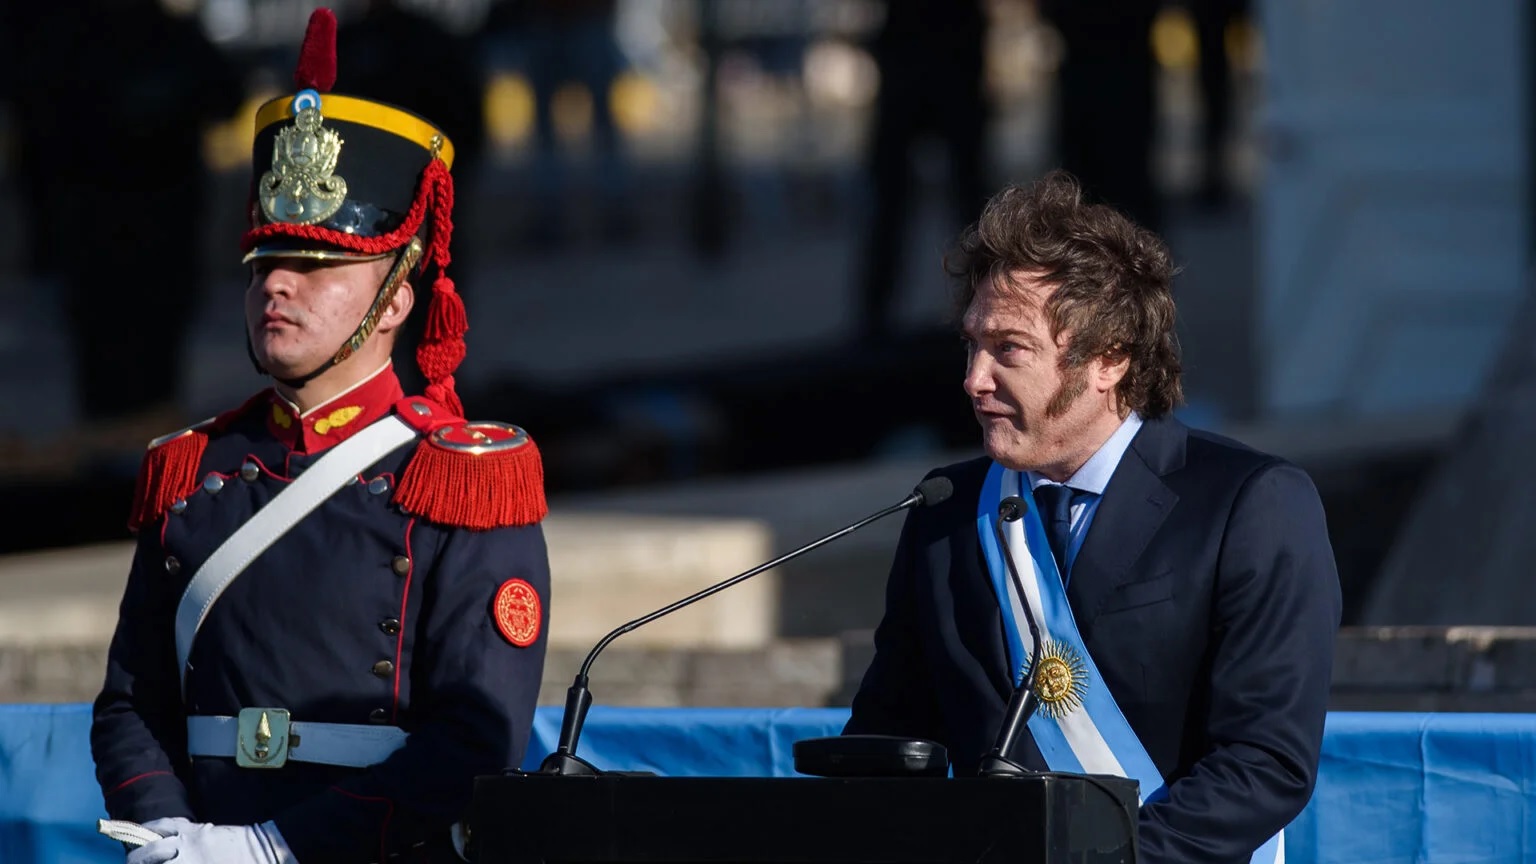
1055	503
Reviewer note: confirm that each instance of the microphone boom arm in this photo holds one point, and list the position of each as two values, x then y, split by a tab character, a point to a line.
578	698
586	665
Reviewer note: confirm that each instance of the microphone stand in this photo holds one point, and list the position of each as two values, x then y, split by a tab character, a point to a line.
578	698
1024	701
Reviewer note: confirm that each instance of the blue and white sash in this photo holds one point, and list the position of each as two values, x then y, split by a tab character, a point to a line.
1078	727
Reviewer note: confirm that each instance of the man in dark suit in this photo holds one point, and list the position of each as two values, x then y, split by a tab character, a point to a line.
1183	584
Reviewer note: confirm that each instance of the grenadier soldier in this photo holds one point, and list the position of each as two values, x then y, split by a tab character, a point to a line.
336	613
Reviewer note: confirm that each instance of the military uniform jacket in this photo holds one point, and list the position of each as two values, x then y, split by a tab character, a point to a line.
367	611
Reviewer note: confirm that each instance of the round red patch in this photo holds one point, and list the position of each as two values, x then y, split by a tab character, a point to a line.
516	611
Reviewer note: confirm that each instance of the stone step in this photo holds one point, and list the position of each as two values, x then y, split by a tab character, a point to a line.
607	568
802	672
1375	669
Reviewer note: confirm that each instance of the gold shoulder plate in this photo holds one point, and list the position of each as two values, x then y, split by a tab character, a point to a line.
166	439
479	438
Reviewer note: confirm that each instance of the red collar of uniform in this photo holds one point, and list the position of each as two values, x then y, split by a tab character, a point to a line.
339	418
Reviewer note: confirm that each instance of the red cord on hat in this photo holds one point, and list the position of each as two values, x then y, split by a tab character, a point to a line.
442	346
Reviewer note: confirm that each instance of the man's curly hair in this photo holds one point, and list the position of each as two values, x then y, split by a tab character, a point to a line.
1112	279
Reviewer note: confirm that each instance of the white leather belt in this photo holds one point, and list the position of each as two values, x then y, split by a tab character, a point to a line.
264	738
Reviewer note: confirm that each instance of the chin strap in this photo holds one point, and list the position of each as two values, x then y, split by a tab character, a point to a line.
408	258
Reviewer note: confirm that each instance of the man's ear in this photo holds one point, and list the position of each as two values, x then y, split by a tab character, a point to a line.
1109	369
398	309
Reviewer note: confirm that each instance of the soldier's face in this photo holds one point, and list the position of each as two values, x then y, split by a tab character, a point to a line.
299	311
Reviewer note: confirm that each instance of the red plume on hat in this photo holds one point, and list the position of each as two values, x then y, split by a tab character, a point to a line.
317	58
429	215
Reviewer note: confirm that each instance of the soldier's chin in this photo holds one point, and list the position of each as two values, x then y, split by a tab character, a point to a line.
279	365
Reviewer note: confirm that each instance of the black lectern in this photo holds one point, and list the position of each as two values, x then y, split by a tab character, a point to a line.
628	819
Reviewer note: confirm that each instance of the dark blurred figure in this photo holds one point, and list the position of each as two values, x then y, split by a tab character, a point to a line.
572	41
931	57
109	136
31	165
402	57
1212	18
1106	114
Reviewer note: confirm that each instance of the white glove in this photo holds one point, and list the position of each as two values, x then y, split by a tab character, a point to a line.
134	834
201	843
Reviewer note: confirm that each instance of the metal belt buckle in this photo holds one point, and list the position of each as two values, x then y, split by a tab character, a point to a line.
263	738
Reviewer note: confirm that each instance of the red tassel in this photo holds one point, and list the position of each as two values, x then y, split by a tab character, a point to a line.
442	393
442	343
442	346
317	58
446	318
475	491
167	474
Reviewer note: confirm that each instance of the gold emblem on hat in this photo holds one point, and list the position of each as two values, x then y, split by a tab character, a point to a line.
1062	681
302	188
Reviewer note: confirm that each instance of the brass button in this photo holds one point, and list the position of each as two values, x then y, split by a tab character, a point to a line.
172	566
383	668
378	485
179	505
378	715
212	484
390	625
249	471
401	565
421	408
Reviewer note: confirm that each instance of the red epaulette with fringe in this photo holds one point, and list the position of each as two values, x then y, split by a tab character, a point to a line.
470	475
169	470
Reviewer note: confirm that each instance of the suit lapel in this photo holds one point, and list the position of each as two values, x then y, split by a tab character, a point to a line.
1135	503
976	605
993	651
978	619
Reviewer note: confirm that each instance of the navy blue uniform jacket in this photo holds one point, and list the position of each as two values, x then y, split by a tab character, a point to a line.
1206	593
361	613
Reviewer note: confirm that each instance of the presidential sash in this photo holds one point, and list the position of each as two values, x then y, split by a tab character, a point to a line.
1078	727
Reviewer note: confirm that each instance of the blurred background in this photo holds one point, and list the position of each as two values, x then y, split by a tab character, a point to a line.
700	242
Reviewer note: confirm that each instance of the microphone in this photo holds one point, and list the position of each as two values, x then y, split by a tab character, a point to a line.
578	698
1024	701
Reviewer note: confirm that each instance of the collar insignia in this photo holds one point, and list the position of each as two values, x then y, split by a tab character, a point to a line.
337	419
